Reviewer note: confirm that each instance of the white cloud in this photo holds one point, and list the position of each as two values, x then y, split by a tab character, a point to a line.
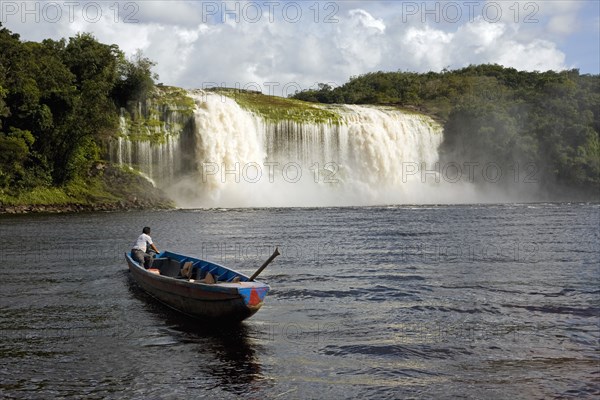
426	48
423	49
480	35
244	53
539	55
362	19
359	42
368	36
500	43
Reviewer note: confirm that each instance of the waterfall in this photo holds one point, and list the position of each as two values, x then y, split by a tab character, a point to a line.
384	142
154	150
154	161
370	156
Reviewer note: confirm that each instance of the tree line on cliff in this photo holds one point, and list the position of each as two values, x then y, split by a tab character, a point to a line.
549	121
58	101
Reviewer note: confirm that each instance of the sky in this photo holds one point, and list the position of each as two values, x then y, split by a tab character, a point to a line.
279	47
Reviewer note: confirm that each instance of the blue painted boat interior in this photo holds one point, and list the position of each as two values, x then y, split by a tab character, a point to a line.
199	267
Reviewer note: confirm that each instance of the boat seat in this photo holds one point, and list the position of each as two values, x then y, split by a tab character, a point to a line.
213	272
198	270
201	268
187	269
201	272
159	262
167	266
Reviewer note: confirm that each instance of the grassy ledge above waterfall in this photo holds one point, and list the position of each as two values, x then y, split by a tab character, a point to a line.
175	98
277	109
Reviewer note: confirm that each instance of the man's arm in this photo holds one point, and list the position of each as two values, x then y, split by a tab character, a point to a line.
154	248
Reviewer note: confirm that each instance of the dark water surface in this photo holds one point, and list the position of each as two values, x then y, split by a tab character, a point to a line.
390	302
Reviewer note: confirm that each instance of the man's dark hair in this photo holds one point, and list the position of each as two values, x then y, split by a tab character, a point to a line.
146	230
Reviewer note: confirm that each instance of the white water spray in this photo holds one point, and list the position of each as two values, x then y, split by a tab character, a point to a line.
373	156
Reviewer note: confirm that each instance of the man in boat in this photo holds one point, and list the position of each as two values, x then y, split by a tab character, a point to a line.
138	252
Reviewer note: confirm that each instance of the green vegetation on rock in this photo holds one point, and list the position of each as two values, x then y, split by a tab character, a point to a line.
104	187
276	109
175	98
162	113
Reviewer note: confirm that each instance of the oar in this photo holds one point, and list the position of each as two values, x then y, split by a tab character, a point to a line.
258	271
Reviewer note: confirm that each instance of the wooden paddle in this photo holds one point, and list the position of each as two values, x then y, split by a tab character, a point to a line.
262	267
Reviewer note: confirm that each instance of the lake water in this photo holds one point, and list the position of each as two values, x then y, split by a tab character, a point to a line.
490	301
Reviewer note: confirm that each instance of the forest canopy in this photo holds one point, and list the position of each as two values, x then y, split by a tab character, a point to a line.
58	100
491	113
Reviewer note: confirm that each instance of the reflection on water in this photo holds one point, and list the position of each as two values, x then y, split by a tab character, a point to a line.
481	301
231	344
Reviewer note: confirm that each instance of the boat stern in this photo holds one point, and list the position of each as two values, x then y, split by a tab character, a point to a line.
253	294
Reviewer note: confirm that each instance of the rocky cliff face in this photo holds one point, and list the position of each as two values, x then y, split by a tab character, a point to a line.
234	149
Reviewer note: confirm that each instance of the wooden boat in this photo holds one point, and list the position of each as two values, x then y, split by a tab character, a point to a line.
232	298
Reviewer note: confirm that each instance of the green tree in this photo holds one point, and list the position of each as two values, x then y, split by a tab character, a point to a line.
135	79
14	151
494	113
94	67
61	93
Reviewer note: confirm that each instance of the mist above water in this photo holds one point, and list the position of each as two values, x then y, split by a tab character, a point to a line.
372	156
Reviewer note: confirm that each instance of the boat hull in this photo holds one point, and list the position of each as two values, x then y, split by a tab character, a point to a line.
225	302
